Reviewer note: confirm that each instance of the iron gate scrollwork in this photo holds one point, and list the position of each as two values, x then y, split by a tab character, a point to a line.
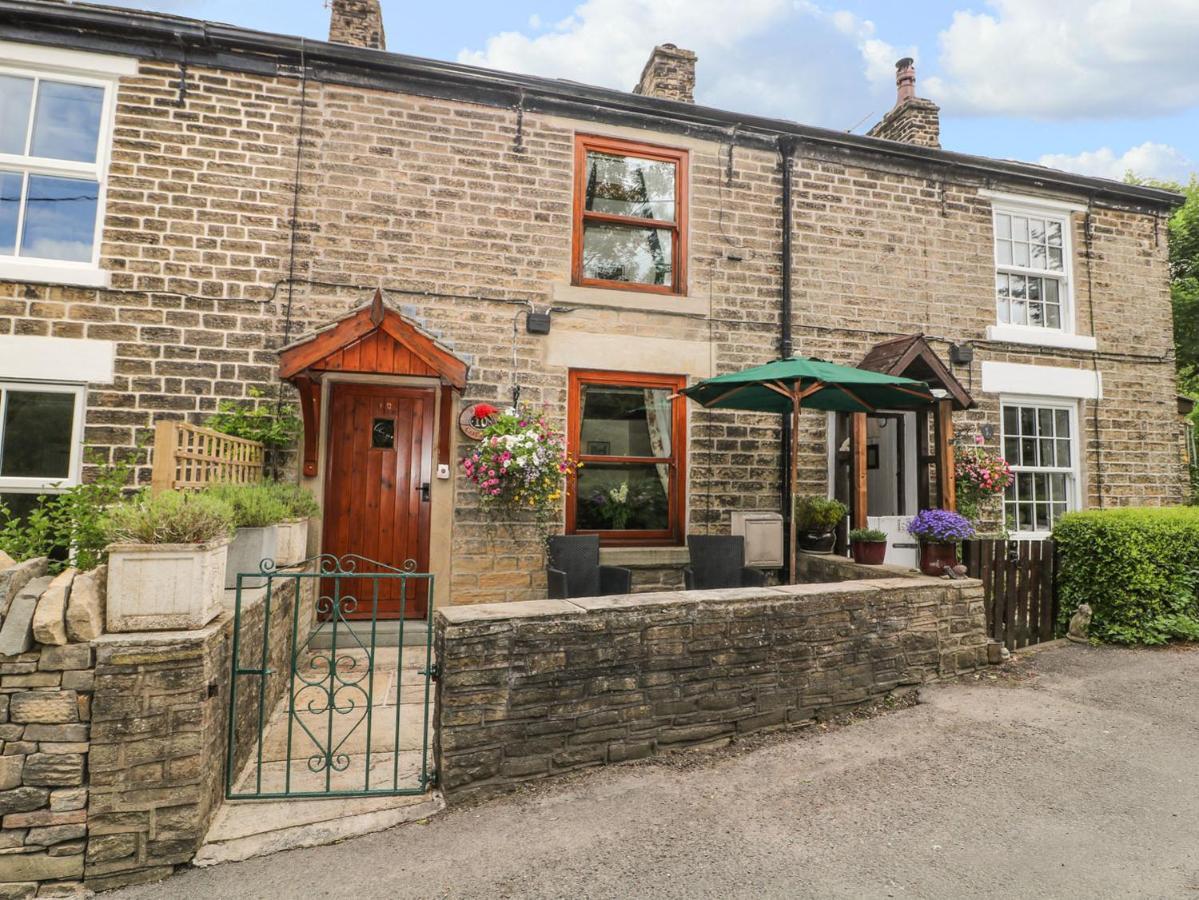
323	701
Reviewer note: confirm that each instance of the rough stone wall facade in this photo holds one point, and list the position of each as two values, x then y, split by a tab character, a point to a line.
462	212
530	690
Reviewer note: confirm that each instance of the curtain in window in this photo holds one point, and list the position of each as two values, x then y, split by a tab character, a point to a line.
658	416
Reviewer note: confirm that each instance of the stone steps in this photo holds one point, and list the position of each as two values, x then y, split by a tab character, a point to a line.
244	829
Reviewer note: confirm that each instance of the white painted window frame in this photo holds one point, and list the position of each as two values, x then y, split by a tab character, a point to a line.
95	70
1064	336
1075	501
46	485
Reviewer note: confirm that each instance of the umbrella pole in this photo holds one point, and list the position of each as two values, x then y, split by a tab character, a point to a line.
794	543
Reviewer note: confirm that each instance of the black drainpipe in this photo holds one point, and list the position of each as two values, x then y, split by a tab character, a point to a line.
786	347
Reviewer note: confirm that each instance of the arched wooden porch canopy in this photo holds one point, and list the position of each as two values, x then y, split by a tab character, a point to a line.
371	340
912	357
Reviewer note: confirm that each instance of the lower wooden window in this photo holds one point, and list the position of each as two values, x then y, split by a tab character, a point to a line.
629	432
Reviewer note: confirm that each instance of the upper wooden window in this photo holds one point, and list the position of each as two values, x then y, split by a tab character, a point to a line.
630	216
630	433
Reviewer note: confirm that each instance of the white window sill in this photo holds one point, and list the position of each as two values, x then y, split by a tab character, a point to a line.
76	274
1040	337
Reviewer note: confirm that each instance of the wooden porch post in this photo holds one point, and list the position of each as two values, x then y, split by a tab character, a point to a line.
946	486
857	477
924	497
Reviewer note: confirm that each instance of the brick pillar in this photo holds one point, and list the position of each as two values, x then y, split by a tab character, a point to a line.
913	120
669	74
359	23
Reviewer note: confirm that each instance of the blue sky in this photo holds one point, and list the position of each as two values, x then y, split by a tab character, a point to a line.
1097	86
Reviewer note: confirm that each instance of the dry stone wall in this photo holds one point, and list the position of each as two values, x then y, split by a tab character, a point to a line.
113	747
530	690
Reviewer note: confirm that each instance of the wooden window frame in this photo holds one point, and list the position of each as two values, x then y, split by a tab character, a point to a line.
677	499
678	228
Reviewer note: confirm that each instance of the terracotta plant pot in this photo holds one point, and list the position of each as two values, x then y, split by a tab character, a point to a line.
869	553
936	555
816	542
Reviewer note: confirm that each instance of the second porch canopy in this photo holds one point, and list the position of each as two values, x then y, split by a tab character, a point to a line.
787	386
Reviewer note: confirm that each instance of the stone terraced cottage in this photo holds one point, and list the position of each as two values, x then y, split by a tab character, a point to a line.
180	200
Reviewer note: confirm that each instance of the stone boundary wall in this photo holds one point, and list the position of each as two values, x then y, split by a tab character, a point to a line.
160	735
113	747
538	688
829	567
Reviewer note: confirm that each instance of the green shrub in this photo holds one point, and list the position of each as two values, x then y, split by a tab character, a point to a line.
67	527
1138	568
257	419
253	505
872	535
169	518
818	514
297	501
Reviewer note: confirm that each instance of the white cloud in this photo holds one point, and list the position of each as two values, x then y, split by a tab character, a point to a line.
1148	160
1070	58
789	58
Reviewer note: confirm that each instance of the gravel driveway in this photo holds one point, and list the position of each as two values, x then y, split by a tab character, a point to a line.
1073	774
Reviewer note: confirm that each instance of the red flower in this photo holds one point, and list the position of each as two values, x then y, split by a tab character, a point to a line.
485	411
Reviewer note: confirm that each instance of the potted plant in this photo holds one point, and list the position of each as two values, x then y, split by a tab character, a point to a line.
816	520
257	510
166	561
869	546
299	506
939	531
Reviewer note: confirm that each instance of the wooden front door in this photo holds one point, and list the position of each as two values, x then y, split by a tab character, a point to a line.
377	488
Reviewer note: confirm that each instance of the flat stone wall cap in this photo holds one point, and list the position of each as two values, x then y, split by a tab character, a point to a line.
634	601
822	588
144	638
525	609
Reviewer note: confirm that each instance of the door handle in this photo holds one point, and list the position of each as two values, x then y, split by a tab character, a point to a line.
423	490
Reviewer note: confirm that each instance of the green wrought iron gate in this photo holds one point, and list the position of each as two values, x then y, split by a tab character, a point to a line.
326	699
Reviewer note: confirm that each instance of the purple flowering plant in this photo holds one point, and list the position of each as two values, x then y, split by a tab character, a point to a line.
940	525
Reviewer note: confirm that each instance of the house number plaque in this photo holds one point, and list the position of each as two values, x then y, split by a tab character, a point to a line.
476	417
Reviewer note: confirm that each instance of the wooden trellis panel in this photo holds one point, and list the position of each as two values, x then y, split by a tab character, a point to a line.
189	458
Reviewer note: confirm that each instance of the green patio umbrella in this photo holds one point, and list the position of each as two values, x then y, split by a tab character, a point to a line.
788	385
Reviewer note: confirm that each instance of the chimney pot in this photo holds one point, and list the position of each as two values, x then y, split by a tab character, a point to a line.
669	74
358	23
905	80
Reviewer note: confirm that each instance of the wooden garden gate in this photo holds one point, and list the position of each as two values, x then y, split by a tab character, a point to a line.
1019	579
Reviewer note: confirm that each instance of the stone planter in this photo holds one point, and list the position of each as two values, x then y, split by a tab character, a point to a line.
293	542
250	547
165	587
936	555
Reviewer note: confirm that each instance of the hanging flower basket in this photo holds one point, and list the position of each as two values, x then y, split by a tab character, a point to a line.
519	467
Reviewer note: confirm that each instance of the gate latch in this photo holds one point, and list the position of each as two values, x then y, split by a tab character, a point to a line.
434	671
424	492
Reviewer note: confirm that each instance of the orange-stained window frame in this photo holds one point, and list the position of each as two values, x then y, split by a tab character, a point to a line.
678	227
677	501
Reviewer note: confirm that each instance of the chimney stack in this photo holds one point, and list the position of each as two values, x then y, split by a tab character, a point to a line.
913	120
669	74
358	23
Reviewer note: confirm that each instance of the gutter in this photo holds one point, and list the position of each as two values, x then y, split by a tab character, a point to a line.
177	39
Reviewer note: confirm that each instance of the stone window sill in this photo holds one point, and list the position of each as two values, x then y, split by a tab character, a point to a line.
1039	337
692	304
75	275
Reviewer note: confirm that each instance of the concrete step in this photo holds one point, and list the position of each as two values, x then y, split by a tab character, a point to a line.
244	829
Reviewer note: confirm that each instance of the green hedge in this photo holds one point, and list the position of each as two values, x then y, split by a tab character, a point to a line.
1138	568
